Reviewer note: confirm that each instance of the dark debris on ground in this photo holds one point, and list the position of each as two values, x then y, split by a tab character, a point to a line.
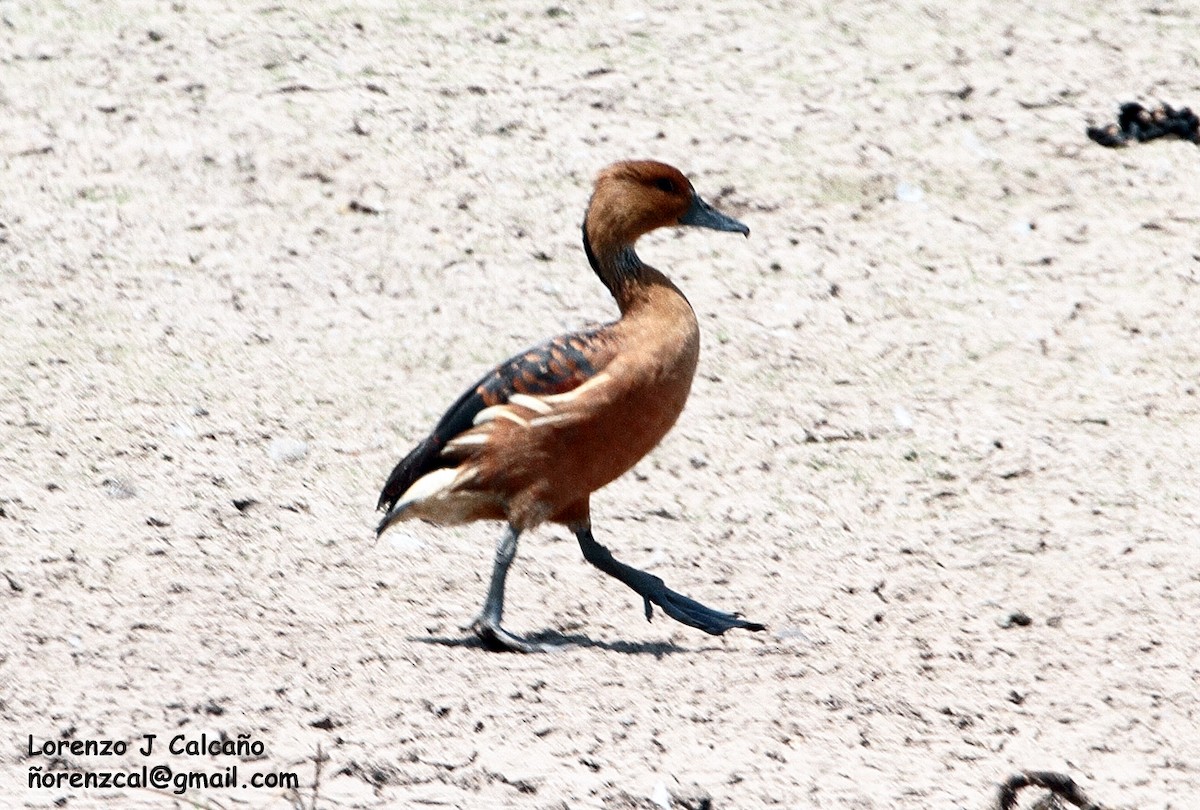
1137	123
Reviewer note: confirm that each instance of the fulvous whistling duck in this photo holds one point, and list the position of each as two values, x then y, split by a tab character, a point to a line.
532	440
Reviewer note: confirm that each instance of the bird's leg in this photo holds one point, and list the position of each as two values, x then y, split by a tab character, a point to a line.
487	624
653	590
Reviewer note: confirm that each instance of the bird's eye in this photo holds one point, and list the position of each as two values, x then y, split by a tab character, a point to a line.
665	184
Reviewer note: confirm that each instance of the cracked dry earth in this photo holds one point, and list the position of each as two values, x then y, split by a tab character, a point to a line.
943	440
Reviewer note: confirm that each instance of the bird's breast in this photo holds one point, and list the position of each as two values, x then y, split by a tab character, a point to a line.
647	387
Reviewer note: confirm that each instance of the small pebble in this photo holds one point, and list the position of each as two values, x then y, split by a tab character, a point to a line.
287	451
909	192
1017	618
660	796
118	489
404	542
792	633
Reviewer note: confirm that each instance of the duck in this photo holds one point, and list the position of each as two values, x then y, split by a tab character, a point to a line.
535	437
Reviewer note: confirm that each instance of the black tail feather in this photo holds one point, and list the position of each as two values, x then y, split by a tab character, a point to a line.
420	460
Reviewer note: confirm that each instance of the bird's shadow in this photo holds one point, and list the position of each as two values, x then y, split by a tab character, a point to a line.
554	641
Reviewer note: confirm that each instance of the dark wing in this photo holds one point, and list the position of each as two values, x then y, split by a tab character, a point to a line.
559	365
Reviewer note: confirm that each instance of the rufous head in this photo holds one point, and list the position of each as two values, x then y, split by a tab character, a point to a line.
634	197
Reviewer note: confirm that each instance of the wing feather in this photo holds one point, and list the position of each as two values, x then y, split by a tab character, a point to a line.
558	366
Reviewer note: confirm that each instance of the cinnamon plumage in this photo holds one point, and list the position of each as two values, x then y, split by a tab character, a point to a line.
534	438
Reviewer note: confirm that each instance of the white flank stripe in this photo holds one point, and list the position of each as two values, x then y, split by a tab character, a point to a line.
569	396
532	403
467	440
428	486
552	419
498	412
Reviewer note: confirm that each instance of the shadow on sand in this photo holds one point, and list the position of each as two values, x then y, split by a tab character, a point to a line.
554	641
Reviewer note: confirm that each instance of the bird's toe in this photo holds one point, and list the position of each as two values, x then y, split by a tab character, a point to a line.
496	638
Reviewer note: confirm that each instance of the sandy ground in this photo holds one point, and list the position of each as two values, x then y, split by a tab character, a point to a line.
248	254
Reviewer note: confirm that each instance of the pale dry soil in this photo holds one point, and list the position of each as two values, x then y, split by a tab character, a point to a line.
943	440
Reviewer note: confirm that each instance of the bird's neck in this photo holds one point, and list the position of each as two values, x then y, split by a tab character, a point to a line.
630	281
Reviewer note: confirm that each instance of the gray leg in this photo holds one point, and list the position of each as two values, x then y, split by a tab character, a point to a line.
487	624
652	589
